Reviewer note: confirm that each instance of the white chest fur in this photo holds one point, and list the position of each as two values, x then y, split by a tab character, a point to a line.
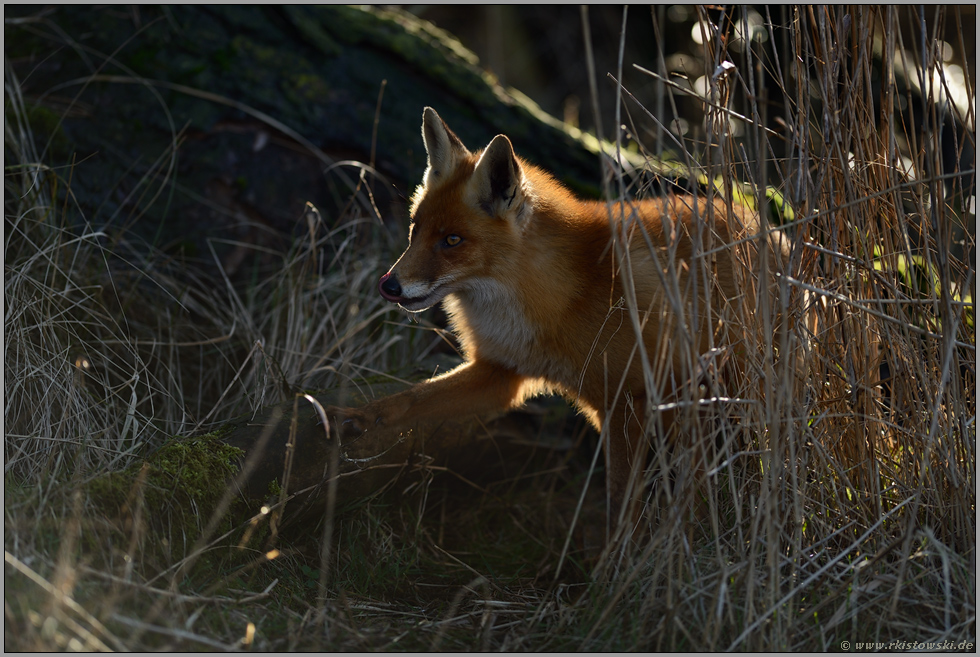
492	322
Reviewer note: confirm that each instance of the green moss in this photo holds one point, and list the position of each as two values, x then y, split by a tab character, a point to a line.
416	42
181	484
307	87
200	466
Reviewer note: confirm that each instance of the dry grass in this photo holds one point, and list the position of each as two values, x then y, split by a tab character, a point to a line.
840	504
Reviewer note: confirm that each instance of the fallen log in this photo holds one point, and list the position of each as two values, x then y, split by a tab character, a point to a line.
267	107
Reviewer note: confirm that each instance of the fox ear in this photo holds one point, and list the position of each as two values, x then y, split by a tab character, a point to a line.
499	180
443	147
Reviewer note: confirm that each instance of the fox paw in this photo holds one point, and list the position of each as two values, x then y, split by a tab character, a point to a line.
352	422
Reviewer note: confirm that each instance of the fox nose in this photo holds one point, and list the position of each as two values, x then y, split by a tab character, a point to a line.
389	287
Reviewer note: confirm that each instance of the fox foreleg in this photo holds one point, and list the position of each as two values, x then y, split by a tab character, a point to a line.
474	388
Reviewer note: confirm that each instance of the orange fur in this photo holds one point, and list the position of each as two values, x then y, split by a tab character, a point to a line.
532	285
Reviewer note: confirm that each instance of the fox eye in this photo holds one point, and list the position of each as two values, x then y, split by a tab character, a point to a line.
452	240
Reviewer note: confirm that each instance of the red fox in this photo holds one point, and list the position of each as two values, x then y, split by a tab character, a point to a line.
534	292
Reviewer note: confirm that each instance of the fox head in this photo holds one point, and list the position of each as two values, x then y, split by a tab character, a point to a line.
466	218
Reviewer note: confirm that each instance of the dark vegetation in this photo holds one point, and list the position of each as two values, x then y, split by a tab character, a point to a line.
198	203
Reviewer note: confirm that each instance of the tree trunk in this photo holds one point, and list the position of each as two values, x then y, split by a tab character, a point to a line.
208	117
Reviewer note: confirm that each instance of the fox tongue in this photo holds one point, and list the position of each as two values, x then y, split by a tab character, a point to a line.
392	298
392	290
